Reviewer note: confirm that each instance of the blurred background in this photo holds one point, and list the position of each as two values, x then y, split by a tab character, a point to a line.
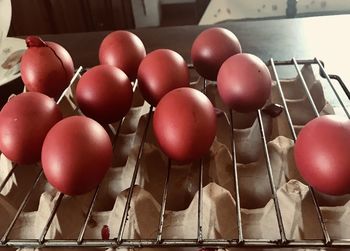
63	16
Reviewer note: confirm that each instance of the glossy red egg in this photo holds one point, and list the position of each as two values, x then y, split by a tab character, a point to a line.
104	93
46	67
123	50
184	124
244	82
24	122
76	155
211	48
160	72
322	154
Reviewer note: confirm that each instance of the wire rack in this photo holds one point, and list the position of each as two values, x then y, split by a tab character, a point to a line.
158	241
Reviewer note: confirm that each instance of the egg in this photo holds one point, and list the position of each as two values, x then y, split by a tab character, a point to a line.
161	71
244	82
321	154
123	50
24	122
46	67
76	155
211	48
104	93
184	124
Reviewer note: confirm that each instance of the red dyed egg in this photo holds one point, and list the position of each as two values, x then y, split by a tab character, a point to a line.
46	67
76	155
104	93
322	154
244	82
123	50
184	124
24	122
211	48
160	72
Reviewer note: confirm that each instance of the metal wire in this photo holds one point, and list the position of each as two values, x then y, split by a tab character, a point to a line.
306	89
235	177
271	180
325	233
3	184
49	221
332	86
21	207
162	210
75	76
199	241
88	216
133	180
200	204
274	71
94	198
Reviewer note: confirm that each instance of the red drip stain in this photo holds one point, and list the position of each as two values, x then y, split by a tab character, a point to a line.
105	232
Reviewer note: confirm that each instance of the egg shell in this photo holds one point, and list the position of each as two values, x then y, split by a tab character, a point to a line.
160	72
104	93
244	82
47	69
184	124
24	122
76	155
210	50
123	50
322	154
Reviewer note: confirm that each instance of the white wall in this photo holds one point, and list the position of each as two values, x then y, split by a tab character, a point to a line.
147	15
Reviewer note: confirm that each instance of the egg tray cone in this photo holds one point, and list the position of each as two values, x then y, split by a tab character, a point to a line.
219	202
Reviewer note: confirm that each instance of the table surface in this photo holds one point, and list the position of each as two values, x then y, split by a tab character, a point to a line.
303	38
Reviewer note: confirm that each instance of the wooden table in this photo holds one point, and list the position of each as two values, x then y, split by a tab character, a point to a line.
303	38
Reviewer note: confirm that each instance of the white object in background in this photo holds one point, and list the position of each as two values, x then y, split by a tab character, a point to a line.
318	6
147	12
221	10
10	53
5	18
11	49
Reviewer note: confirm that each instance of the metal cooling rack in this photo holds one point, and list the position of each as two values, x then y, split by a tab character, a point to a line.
158	241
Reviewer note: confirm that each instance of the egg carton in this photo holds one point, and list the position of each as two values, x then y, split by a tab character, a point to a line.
217	190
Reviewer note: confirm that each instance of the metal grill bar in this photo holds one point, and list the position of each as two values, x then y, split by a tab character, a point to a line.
272	63
21	207
235	176
219	243
309	97
162	210
133	180
200	189
200	203
291	127
3	184
49	221
210	243
88	216
75	76
342	84
91	207
271	180
332	86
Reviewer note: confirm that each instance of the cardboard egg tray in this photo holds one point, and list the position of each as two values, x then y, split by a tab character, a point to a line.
218	197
